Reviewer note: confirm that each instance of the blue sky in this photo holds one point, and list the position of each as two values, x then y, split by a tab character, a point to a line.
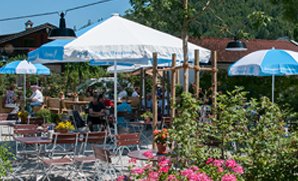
12	8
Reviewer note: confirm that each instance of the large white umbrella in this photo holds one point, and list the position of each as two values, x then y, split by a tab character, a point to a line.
272	62
116	40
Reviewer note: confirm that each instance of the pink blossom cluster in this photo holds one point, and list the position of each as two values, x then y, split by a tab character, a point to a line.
229	164
164	170
193	174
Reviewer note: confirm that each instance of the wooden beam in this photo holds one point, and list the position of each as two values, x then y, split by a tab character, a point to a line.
173	86
154	97
197	74
214	81
163	93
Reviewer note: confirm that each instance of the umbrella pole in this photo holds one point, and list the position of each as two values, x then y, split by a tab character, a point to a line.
115	96
273	80
24	90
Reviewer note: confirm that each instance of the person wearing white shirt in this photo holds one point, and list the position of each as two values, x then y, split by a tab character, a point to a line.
122	94
36	98
135	93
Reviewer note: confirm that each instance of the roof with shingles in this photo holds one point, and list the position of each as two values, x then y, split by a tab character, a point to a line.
219	45
9	37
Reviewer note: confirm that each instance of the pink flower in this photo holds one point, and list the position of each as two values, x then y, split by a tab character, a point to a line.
164	169
148	154
153	176
172	178
194	168
220	169
238	169
137	171
132	160
218	163
229	177
202	177
231	163
164	162
187	172
210	160
121	178
147	167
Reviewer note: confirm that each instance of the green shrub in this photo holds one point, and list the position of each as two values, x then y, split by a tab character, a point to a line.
5	158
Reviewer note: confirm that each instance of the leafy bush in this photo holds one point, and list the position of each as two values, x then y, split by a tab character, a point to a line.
5	160
45	114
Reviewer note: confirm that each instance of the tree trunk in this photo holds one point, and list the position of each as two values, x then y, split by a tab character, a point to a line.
184	35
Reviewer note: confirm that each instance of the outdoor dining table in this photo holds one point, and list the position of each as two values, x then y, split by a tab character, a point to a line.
140	126
139	155
76	105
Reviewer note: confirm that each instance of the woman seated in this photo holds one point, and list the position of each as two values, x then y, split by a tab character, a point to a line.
96	112
10	99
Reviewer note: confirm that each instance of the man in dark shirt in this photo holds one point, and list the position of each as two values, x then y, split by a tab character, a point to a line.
96	112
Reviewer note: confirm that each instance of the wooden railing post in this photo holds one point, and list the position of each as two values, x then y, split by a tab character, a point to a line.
173	88
197	74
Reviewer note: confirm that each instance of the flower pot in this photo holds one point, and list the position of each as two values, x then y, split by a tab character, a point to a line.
161	148
147	120
62	130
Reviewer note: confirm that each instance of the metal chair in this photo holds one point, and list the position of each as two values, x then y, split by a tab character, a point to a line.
103	165
64	144
124	142
90	138
24	130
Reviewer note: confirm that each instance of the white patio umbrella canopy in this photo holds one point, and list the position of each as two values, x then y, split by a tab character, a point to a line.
117	40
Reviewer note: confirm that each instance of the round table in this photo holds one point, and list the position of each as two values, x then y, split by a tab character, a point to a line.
139	155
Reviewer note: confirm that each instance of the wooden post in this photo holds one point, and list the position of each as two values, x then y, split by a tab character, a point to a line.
197	74
163	93
168	94
173	86
143	95
154	98
177	77
214	80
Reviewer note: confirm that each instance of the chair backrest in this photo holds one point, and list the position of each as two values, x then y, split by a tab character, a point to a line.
166	122
95	137
65	138
53	103
77	120
102	154
128	139
65	144
25	129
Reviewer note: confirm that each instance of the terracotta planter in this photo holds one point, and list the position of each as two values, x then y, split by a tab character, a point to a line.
161	148
62	130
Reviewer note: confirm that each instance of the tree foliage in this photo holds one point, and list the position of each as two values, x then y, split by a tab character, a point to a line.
260	19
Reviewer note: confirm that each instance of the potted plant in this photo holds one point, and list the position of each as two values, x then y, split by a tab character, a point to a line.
64	127
147	116
161	140
23	116
45	114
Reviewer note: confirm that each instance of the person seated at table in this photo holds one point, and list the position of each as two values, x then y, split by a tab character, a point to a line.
96	112
148	102
123	107
122	93
10	99
36	99
135	92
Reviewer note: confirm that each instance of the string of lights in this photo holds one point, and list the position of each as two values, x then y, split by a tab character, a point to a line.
55	12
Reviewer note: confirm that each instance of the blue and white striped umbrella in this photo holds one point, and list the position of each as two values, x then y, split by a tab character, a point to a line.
24	67
273	62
